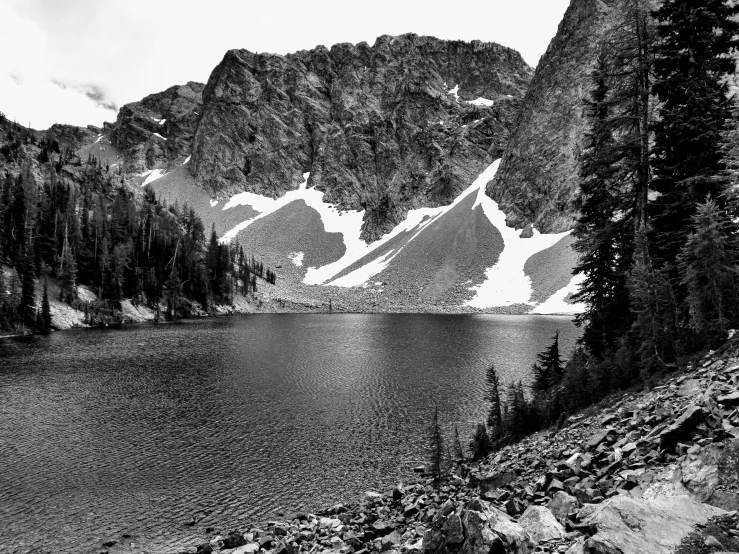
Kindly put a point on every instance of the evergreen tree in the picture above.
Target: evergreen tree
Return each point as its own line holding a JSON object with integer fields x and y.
{"x": 693, "y": 59}
{"x": 708, "y": 269}
{"x": 653, "y": 301}
{"x": 68, "y": 272}
{"x": 492, "y": 395}
{"x": 436, "y": 449}
{"x": 46, "y": 324}
{"x": 549, "y": 368}
{"x": 480, "y": 445}
{"x": 614, "y": 176}
{"x": 27, "y": 308}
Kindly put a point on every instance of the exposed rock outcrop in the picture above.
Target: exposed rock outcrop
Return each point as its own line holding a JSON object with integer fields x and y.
{"x": 159, "y": 129}
{"x": 537, "y": 180}
{"x": 381, "y": 128}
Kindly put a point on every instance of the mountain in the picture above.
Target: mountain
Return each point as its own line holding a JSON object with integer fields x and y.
{"x": 359, "y": 172}
{"x": 537, "y": 181}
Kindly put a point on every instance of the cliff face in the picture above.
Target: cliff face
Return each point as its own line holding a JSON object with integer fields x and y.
{"x": 376, "y": 126}
{"x": 159, "y": 129}
{"x": 537, "y": 180}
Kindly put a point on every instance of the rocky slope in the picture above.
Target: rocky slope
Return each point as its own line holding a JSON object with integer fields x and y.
{"x": 376, "y": 126}
{"x": 646, "y": 473}
{"x": 537, "y": 181}
{"x": 158, "y": 130}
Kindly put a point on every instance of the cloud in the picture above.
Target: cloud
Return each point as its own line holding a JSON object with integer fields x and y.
{"x": 94, "y": 92}
{"x": 32, "y": 92}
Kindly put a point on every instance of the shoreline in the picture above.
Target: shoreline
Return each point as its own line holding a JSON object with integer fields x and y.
{"x": 641, "y": 468}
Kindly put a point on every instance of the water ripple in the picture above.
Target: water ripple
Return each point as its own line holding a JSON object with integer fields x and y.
{"x": 232, "y": 419}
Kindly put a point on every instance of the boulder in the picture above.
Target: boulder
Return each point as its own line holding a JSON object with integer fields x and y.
{"x": 708, "y": 473}
{"x": 541, "y": 525}
{"x": 683, "y": 427}
{"x": 729, "y": 399}
{"x": 484, "y": 529}
{"x": 642, "y": 526}
{"x": 561, "y": 505}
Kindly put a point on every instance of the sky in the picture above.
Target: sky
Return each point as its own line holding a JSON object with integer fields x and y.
{"x": 78, "y": 61}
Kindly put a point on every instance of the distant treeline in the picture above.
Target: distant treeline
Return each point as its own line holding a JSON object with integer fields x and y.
{"x": 92, "y": 230}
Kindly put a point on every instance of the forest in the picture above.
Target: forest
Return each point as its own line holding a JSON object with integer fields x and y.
{"x": 658, "y": 227}
{"x": 77, "y": 222}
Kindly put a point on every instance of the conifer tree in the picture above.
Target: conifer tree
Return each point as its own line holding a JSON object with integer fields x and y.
{"x": 436, "y": 449}
{"x": 27, "y": 308}
{"x": 708, "y": 269}
{"x": 654, "y": 305}
{"x": 693, "y": 59}
{"x": 549, "y": 368}
{"x": 68, "y": 272}
{"x": 480, "y": 445}
{"x": 495, "y": 412}
{"x": 614, "y": 176}
{"x": 46, "y": 323}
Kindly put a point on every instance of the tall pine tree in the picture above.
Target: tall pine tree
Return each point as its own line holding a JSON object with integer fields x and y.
{"x": 692, "y": 62}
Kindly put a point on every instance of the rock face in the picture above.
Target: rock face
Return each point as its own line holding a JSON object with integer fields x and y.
{"x": 383, "y": 128}
{"x": 159, "y": 129}
{"x": 655, "y": 526}
{"x": 537, "y": 180}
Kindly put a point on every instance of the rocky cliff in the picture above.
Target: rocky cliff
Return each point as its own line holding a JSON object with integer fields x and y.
{"x": 157, "y": 130}
{"x": 406, "y": 123}
{"x": 537, "y": 180}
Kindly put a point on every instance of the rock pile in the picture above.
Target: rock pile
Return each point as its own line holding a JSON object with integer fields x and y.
{"x": 638, "y": 476}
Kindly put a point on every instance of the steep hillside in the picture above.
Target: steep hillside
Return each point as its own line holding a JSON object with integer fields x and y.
{"x": 537, "y": 181}
{"x": 153, "y": 133}
{"x": 406, "y": 123}
{"x": 358, "y": 172}
{"x": 455, "y": 258}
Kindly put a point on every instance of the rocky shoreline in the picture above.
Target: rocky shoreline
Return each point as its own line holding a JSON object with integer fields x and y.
{"x": 644, "y": 472}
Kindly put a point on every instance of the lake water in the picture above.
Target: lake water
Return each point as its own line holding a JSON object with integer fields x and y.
{"x": 234, "y": 420}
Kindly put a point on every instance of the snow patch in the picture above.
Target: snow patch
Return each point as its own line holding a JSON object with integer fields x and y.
{"x": 213, "y": 203}
{"x": 99, "y": 139}
{"x": 159, "y": 121}
{"x": 158, "y": 135}
{"x": 506, "y": 283}
{"x": 556, "y": 304}
{"x": 455, "y": 92}
{"x": 348, "y": 223}
{"x": 480, "y": 101}
{"x": 415, "y": 222}
{"x": 296, "y": 258}
{"x": 186, "y": 160}
{"x": 152, "y": 175}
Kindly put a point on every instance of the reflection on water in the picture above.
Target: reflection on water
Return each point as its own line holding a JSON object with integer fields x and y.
{"x": 236, "y": 419}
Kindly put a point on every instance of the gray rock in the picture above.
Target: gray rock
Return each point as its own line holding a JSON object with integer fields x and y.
{"x": 642, "y": 526}
{"x": 562, "y": 504}
{"x": 540, "y": 524}
{"x": 683, "y": 427}
{"x": 374, "y": 125}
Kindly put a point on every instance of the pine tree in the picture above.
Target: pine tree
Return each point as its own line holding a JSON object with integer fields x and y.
{"x": 68, "y": 272}
{"x": 27, "y": 308}
{"x": 480, "y": 445}
{"x": 654, "y": 305}
{"x": 708, "y": 269}
{"x": 549, "y": 368}
{"x": 614, "y": 176}
{"x": 436, "y": 449}
{"x": 46, "y": 324}
{"x": 693, "y": 59}
{"x": 492, "y": 395}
